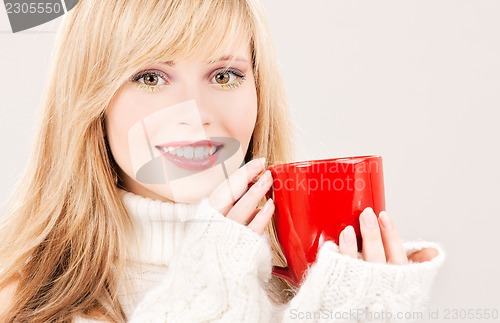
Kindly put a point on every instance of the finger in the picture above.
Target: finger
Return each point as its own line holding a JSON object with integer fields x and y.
{"x": 229, "y": 191}
{"x": 251, "y": 217}
{"x": 394, "y": 251}
{"x": 423, "y": 255}
{"x": 347, "y": 242}
{"x": 373, "y": 248}
{"x": 262, "y": 218}
{"x": 244, "y": 208}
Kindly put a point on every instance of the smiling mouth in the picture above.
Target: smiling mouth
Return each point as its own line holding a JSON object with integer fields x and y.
{"x": 190, "y": 152}
{"x": 191, "y": 155}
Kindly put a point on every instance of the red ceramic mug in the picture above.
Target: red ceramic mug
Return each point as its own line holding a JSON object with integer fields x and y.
{"x": 315, "y": 201}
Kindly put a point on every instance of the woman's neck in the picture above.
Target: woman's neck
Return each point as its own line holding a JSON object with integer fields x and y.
{"x": 158, "y": 225}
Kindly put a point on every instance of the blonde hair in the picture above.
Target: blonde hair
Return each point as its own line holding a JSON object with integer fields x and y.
{"x": 64, "y": 233}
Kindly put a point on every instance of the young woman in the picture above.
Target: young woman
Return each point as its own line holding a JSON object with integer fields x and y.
{"x": 135, "y": 204}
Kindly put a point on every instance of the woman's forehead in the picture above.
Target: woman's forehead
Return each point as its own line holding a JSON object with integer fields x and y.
{"x": 225, "y": 31}
{"x": 236, "y": 52}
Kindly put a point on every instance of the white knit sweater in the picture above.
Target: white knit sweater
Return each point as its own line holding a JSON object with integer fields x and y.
{"x": 191, "y": 264}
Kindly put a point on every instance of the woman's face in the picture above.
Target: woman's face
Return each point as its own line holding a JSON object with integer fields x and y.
{"x": 178, "y": 128}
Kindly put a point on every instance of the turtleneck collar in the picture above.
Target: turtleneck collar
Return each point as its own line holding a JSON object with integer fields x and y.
{"x": 158, "y": 225}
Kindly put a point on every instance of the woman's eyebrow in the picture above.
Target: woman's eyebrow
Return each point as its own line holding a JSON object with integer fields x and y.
{"x": 222, "y": 58}
{"x": 228, "y": 58}
{"x": 169, "y": 63}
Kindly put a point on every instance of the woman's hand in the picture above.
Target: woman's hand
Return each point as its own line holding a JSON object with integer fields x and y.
{"x": 381, "y": 241}
{"x": 237, "y": 202}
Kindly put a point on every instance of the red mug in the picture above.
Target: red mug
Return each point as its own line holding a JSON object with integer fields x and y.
{"x": 315, "y": 201}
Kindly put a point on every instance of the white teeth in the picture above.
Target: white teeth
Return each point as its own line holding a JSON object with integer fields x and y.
{"x": 199, "y": 152}
{"x": 179, "y": 152}
{"x": 190, "y": 152}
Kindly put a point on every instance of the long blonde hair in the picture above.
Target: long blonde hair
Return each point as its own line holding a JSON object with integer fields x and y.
{"x": 64, "y": 233}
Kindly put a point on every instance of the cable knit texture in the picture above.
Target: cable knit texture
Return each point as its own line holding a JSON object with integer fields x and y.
{"x": 191, "y": 264}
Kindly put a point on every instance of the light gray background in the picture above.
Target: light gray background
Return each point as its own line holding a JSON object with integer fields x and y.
{"x": 417, "y": 82}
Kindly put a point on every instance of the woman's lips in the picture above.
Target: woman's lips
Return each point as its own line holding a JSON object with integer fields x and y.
{"x": 197, "y": 155}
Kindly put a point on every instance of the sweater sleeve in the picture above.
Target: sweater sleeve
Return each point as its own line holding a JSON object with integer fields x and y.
{"x": 216, "y": 275}
{"x": 343, "y": 289}
{"x": 219, "y": 272}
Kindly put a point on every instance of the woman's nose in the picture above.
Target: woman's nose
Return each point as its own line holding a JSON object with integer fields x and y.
{"x": 191, "y": 113}
{"x": 198, "y": 110}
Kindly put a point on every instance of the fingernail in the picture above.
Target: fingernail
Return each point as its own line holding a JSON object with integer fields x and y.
{"x": 369, "y": 218}
{"x": 257, "y": 164}
{"x": 348, "y": 236}
{"x": 264, "y": 179}
{"x": 385, "y": 220}
{"x": 267, "y": 206}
